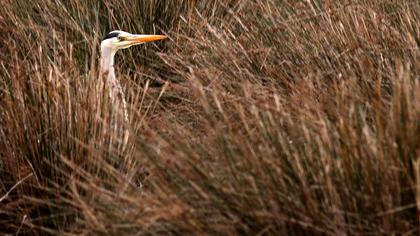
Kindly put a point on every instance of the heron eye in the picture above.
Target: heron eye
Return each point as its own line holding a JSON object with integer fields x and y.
{"x": 121, "y": 38}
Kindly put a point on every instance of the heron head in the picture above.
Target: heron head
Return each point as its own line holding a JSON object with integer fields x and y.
{"x": 115, "y": 40}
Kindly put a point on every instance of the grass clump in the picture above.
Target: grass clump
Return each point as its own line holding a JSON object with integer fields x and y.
{"x": 255, "y": 118}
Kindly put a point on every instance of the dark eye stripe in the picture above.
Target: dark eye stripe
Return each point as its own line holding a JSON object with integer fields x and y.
{"x": 111, "y": 35}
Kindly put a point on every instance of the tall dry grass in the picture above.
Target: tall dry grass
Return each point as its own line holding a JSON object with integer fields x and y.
{"x": 256, "y": 117}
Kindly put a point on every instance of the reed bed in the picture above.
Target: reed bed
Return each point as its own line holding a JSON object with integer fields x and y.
{"x": 255, "y": 117}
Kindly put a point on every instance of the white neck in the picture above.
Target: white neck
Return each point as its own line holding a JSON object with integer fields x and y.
{"x": 107, "y": 61}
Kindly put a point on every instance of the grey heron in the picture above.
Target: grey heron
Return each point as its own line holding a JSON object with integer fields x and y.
{"x": 112, "y": 42}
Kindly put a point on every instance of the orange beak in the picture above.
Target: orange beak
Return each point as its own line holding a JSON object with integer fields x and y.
{"x": 145, "y": 38}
